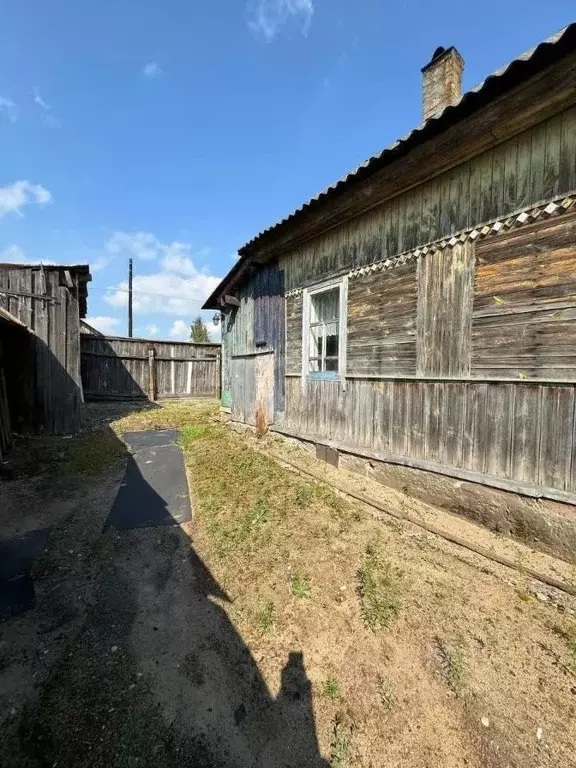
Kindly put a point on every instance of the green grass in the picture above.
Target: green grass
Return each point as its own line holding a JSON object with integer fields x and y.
{"x": 266, "y": 617}
{"x": 379, "y": 588}
{"x": 193, "y": 432}
{"x": 340, "y": 745}
{"x": 172, "y": 414}
{"x": 92, "y": 453}
{"x": 258, "y": 514}
{"x": 300, "y": 585}
{"x": 304, "y": 495}
{"x": 452, "y": 657}
{"x": 331, "y": 688}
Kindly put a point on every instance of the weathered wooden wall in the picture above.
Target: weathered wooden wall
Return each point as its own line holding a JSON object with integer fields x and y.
{"x": 445, "y": 293}
{"x": 524, "y": 312}
{"x": 257, "y": 325}
{"x": 253, "y": 389}
{"x": 382, "y": 323}
{"x": 294, "y": 306}
{"x": 535, "y": 165}
{"x": 461, "y": 358}
{"x": 520, "y": 432}
{"x": 46, "y": 392}
{"x": 117, "y": 368}
{"x": 502, "y": 308}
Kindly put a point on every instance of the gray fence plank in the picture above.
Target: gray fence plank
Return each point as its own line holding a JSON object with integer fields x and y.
{"x": 118, "y": 368}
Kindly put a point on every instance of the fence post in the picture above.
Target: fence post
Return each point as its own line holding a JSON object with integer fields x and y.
{"x": 151, "y": 374}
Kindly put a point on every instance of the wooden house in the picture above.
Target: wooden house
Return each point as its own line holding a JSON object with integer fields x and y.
{"x": 419, "y": 315}
{"x": 40, "y": 311}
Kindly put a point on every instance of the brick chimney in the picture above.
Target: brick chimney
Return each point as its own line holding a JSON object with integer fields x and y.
{"x": 442, "y": 81}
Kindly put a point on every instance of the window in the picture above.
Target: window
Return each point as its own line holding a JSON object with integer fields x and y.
{"x": 324, "y": 331}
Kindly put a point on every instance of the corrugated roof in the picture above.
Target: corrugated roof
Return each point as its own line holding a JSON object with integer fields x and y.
{"x": 542, "y": 55}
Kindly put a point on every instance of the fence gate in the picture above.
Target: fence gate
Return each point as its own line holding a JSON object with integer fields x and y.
{"x": 116, "y": 368}
{"x": 253, "y": 389}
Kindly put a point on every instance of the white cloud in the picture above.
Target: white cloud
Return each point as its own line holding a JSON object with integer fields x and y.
{"x": 15, "y": 196}
{"x": 104, "y": 323}
{"x": 40, "y": 101}
{"x": 152, "y": 330}
{"x": 180, "y": 330}
{"x": 100, "y": 263}
{"x": 152, "y": 70}
{"x": 8, "y": 106}
{"x": 48, "y": 117}
{"x": 142, "y": 245}
{"x": 13, "y": 254}
{"x": 267, "y": 16}
{"x": 178, "y": 287}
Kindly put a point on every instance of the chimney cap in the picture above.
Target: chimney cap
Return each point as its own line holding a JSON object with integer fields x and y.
{"x": 441, "y": 53}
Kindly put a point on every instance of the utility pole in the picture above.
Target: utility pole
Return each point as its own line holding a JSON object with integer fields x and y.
{"x": 130, "y": 298}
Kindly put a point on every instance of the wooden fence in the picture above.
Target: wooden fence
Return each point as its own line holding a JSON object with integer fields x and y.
{"x": 115, "y": 368}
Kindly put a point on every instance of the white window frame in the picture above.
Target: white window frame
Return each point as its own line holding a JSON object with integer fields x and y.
{"x": 342, "y": 284}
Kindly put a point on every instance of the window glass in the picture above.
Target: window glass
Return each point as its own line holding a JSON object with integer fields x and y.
{"x": 324, "y": 331}
{"x": 331, "y": 340}
{"x": 325, "y": 306}
{"x": 316, "y": 341}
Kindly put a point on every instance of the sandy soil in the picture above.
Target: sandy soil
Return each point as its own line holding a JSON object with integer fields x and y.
{"x": 192, "y": 646}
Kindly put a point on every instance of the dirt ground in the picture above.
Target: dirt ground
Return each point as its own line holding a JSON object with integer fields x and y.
{"x": 284, "y": 626}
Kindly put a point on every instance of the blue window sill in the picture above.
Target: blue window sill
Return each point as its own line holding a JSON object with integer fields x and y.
{"x": 323, "y": 375}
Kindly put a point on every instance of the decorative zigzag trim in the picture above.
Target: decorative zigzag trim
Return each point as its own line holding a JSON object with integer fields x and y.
{"x": 528, "y": 216}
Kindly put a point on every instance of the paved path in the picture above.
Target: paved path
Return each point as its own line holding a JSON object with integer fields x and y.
{"x": 154, "y": 490}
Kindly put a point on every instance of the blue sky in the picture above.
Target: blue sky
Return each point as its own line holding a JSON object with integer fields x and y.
{"x": 175, "y": 131}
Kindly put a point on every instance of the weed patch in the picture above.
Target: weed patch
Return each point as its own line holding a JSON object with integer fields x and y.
{"x": 340, "y": 745}
{"x": 331, "y": 688}
{"x": 258, "y": 514}
{"x": 451, "y": 655}
{"x": 266, "y": 617}
{"x": 300, "y": 585}
{"x": 304, "y": 495}
{"x": 379, "y": 589}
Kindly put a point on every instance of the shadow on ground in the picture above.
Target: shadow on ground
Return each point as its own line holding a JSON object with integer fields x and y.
{"x": 135, "y": 658}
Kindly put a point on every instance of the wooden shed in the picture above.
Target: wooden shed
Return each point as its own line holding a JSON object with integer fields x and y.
{"x": 41, "y": 307}
{"x": 421, "y": 312}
